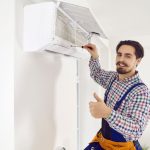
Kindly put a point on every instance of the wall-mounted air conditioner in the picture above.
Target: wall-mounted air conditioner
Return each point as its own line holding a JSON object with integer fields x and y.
{"x": 59, "y": 27}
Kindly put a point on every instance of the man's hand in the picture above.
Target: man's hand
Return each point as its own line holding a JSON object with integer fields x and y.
{"x": 91, "y": 48}
{"x": 99, "y": 109}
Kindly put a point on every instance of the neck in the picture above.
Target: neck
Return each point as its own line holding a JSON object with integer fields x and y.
{"x": 127, "y": 75}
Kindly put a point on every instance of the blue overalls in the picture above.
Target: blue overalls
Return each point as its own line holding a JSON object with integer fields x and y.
{"x": 108, "y": 132}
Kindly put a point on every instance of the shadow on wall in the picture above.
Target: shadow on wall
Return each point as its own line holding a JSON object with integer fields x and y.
{"x": 35, "y": 80}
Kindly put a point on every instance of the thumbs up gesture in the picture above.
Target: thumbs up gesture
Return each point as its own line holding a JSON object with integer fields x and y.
{"x": 99, "y": 109}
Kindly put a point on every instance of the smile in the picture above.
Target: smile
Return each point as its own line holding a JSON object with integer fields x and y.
{"x": 121, "y": 65}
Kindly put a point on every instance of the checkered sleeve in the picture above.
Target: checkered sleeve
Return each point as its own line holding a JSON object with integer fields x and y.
{"x": 132, "y": 123}
{"x": 99, "y": 75}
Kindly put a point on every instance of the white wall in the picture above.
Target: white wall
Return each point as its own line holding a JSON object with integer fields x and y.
{"x": 45, "y": 97}
{"x": 45, "y": 102}
{"x": 6, "y": 74}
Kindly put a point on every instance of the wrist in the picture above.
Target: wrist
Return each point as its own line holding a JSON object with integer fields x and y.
{"x": 108, "y": 113}
{"x": 95, "y": 56}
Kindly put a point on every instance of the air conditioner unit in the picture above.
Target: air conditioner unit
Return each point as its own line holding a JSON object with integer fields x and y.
{"x": 59, "y": 27}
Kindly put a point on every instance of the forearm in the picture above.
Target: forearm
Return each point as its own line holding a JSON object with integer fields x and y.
{"x": 99, "y": 75}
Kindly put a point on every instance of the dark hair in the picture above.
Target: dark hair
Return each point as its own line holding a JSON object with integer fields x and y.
{"x": 139, "y": 50}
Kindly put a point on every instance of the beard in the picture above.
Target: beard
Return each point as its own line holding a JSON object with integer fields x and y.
{"x": 122, "y": 70}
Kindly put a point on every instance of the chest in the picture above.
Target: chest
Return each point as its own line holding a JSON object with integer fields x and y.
{"x": 115, "y": 94}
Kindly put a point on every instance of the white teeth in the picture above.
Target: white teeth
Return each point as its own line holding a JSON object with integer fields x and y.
{"x": 121, "y": 65}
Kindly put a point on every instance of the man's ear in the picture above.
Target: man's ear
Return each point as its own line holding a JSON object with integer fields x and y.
{"x": 138, "y": 61}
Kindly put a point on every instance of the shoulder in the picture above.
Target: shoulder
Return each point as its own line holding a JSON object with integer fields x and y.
{"x": 140, "y": 91}
{"x": 141, "y": 88}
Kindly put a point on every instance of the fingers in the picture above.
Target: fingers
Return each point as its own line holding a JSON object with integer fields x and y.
{"x": 89, "y": 46}
{"x": 91, "y": 106}
{"x": 94, "y": 110}
{"x": 91, "y": 103}
{"x": 97, "y": 97}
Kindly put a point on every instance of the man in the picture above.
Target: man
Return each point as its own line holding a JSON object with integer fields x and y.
{"x": 125, "y": 110}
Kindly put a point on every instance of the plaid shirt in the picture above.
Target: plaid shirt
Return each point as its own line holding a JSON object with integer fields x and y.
{"x": 132, "y": 116}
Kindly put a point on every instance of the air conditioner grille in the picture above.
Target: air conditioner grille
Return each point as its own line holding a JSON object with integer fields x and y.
{"x": 68, "y": 30}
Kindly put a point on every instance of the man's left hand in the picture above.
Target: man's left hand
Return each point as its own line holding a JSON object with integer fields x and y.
{"x": 99, "y": 109}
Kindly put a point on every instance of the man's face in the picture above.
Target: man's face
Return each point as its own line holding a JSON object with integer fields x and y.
{"x": 126, "y": 61}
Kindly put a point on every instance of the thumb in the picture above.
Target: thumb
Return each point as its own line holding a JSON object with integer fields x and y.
{"x": 97, "y": 97}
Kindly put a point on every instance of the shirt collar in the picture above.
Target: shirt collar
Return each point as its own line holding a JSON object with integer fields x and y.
{"x": 130, "y": 79}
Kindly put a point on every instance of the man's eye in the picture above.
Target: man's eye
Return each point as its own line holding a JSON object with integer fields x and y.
{"x": 128, "y": 56}
{"x": 118, "y": 54}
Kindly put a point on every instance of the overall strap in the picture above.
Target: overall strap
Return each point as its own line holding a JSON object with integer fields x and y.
{"x": 107, "y": 91}
{"x": 124, "y": 96}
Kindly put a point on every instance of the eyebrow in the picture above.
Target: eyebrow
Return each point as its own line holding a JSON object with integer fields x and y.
{"x": 128, "y": 54}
